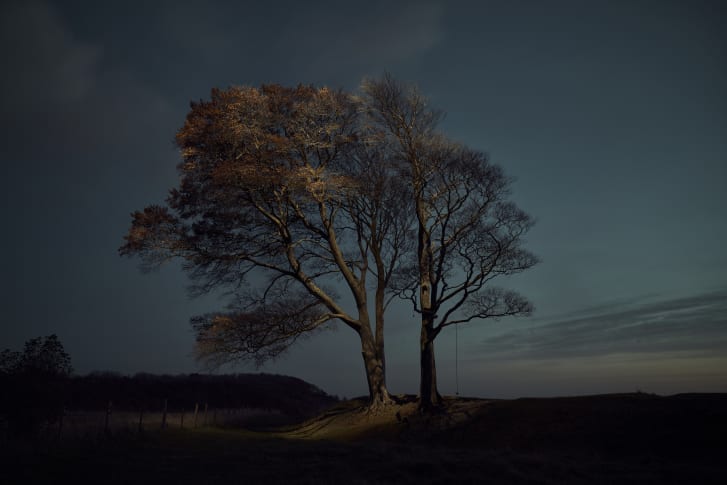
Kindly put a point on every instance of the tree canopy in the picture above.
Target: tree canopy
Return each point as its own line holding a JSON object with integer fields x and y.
{"x": 282, "y": 192}
{"x": 468, "y": 231}
{"x": 290, "y": 196}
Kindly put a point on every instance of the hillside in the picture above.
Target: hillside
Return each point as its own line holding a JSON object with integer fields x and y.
{"x": 288, "y": 395}
{"x": 614, "y": 424}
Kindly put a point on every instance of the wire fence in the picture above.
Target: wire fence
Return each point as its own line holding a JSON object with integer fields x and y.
{"x": 68, "y": 424}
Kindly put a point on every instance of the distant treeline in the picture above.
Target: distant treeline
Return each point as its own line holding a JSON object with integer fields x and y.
{"x": 291, "y": 396}
{"x": 32, "y": 400}
{"x": 37, "y": 387}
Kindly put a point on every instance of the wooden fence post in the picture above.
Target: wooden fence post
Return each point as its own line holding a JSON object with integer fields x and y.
{"x": 204, "y": 420}
{"x": 108, "y": 417}
{"x": 196, "y": 410}
{"x": 164, "y": 415}
{"x": 60, "y": 422}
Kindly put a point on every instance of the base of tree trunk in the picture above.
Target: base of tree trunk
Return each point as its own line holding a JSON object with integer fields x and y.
{"x": 378, "y": 403}
{"x": 434, "y": 405}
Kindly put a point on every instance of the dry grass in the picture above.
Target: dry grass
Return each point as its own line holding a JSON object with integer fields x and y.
{"x": 543, "y": 441}
{"x": 352, "y": 421}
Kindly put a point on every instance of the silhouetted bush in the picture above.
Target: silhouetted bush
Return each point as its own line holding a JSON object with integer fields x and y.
{"x": 34, "y": 384}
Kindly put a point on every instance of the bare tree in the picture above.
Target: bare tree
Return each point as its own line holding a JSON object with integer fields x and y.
{"x": 281, "y": 193}
{"x": 467, "y": 231}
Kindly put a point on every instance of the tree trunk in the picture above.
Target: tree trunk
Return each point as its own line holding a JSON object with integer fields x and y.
{"x": 429, "y": 397}
{"x": 375, "y": 370}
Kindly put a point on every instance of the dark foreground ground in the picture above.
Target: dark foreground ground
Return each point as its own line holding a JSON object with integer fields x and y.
{"x": 632, "y": 438}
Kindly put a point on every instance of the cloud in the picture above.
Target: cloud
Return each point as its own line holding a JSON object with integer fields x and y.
{"x": 83, "y": 137}
{"x": 694, "y": 325}
{"x": 68, "y": 92}
{"x": 386, "y": 33}
{"x": 44, "y": 65}
{"x": 323, "y": 42}
{"x": 60, "y": 95}
{"x": 381, "y": 36}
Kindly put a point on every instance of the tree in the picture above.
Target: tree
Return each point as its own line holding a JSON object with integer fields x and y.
{"x": 467, "y": 231}
{"x": 35, "y": 382}
{"x": 41, "y": 357}
{"x": 281, "y": 194}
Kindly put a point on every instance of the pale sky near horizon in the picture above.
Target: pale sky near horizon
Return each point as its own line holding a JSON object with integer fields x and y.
{"x": 612, "y": 116}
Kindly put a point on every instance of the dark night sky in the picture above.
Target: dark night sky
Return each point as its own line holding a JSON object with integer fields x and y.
{"x": 611, "y": 114}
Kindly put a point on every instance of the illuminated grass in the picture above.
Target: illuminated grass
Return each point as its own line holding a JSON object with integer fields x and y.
{"x": 546, "y": 441}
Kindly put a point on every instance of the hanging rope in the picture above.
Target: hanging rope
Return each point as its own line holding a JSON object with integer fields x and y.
{"x": 456, "y": 358}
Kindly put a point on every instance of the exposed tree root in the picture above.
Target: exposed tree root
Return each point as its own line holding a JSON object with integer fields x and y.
{"x": 379, "y": 405}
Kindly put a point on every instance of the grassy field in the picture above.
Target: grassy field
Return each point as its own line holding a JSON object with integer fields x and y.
{"x": 632, "y": 438}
